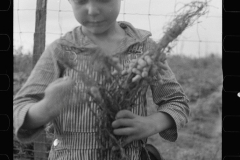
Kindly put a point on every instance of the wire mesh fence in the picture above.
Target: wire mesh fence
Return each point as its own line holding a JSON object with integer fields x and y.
{"x": 200, "y": 40}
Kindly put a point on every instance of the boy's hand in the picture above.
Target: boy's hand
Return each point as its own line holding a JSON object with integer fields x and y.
{"x": 56, "y": 96}
{"x": 132, "y": 126}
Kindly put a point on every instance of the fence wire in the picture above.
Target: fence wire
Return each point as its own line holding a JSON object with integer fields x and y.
{"x": 59, "y": 14}
{"x": 27, "y": 152}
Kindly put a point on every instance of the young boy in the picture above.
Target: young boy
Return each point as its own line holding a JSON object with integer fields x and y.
{"x": 47, "y": 97}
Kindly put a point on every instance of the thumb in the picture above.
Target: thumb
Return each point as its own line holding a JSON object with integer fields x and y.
{"x": 66, "y": 82}
{"x": 63, "y": 80}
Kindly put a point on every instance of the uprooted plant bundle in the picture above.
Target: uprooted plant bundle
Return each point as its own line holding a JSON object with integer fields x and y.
{"x": 122, "y": 92}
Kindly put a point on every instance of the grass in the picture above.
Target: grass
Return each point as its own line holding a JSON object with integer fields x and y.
{"x": 200, "y": 139}
{"x": 201, "y": 79}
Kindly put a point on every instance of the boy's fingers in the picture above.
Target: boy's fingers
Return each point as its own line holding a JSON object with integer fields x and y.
{"x": 163, "y": 57}
{"x": 60, "y": 79}
{"x": 59, "y": 86}
{"x": 122, "y": 122}
{"x": 161, "y": 71}
{"x": 155, "y": 71}
{"x": 162, "y": 65}
{"x": 123, "y": 131}
{"x": 124, "y": 114}
{"x": 159, "y": 67}
{"x": 65, "y": 81}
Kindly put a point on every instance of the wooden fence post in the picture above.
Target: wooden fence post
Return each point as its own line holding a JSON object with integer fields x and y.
{"x": 40, "y": 147}
{"x": 40, "y": 30}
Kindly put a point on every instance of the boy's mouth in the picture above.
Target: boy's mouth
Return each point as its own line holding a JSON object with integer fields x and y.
{"x": 95, "y": 23}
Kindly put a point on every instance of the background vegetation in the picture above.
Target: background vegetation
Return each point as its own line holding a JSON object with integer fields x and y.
{"x": 201, "y": 138}
{"x": 201, "y": 79}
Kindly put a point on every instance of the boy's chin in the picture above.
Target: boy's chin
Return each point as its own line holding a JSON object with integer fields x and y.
{"x": 96, "y": 30}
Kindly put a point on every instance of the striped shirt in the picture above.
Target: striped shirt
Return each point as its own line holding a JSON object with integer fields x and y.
{"x": 74, "y": 128}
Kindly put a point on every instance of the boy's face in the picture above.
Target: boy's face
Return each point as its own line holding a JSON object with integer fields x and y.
{"x": 96, "y": 16}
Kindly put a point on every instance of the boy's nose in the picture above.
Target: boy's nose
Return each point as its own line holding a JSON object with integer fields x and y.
{"x": 92, "y": 9}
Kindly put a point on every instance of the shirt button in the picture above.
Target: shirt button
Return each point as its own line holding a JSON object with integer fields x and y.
{"x": 55, "y": 143}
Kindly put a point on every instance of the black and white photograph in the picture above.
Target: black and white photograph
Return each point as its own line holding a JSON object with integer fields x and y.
{"x": 117, "y": 80}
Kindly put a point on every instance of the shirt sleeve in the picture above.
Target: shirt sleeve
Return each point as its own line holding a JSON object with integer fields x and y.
{"x": 169, "y": 96}
{"x": 45, "y": 71}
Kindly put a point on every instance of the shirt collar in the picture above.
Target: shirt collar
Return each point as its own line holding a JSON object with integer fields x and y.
{"x": 77, "y": 39}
